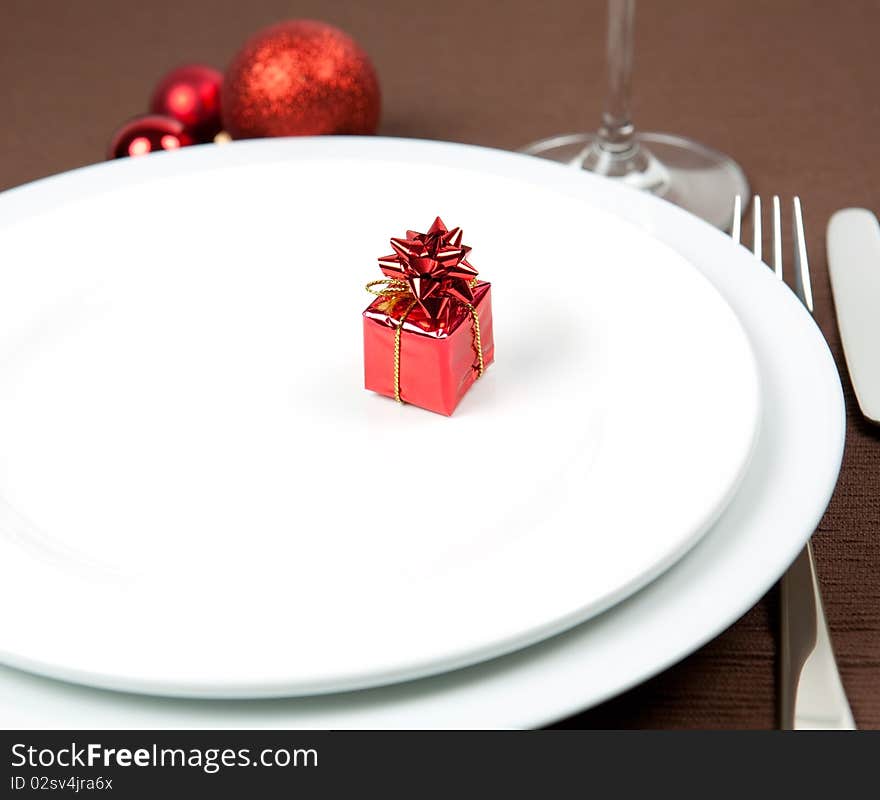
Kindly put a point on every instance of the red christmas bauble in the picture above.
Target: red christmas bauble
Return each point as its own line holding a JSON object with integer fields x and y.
{"x": 147, "y": 134}
{"x": 191, "y": 94}
{"x": 300, "y": 78}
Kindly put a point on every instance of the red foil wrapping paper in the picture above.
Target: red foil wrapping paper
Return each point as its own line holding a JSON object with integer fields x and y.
{"x": 438, "y": 287}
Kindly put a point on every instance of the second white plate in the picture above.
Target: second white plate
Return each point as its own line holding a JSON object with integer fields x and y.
{"x": 186, "y": 446}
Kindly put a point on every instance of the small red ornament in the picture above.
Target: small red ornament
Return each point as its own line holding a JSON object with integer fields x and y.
{"x": 300, "y": 78}
{"x": 191, "y": 94}
{"x": 147, "y": 134}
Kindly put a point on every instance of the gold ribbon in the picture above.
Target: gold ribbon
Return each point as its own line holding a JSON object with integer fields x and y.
{"x": 392, "y": 287}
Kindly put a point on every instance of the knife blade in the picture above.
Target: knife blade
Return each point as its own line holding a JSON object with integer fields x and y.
{"x": 853, "y": 243}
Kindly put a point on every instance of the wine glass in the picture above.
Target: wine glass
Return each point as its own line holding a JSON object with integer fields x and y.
{"x": 683, "y": 171}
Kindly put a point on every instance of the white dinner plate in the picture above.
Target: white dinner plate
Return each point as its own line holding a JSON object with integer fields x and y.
{"x": 781, "y": 499}
{"x": 191, "y": 469}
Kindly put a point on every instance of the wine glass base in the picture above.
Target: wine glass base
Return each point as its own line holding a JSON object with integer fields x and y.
{"x": 680, "y": 170}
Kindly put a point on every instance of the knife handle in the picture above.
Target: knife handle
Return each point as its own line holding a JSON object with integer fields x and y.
{"x": 811, "y": 695}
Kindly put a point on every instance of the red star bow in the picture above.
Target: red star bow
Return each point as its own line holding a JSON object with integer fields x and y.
{"x": 435, "y": 267}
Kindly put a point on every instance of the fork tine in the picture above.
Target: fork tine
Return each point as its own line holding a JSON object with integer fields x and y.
{"x": 757, "y": 235}
{"x": 737, "y": 219}
{"x": 777, "y": 237}
{"x": 802, "y": 283}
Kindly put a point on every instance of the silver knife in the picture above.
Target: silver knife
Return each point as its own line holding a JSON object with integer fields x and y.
{"x": 854, "y": 265}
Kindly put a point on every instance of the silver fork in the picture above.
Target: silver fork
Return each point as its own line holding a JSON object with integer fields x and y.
{"x": 811, "y": 694}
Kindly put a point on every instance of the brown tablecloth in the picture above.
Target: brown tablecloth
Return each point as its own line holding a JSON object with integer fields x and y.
{"x": 789, "y": 87}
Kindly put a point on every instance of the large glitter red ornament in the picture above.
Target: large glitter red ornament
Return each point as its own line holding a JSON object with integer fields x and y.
{"x": 148, "y": 133}
{"x": 300, "y": 78}
{"x": 191, "y": 94}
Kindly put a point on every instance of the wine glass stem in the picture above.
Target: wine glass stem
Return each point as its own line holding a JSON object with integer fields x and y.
{"x": 617, "y": 133}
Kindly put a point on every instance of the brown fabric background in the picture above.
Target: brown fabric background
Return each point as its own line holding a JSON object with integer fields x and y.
{"x": 789, "y": 87}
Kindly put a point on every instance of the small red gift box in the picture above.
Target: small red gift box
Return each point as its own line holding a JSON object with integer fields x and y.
{"x": 428, "y": 334}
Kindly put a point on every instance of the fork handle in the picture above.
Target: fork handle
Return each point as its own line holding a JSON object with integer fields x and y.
{"x": 811, "y": 695}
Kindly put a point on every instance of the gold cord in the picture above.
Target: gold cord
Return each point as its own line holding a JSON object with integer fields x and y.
{"x": 392, "y": 287}
{"x": 478, "y": 342}
{"x": 397, "y": 331}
